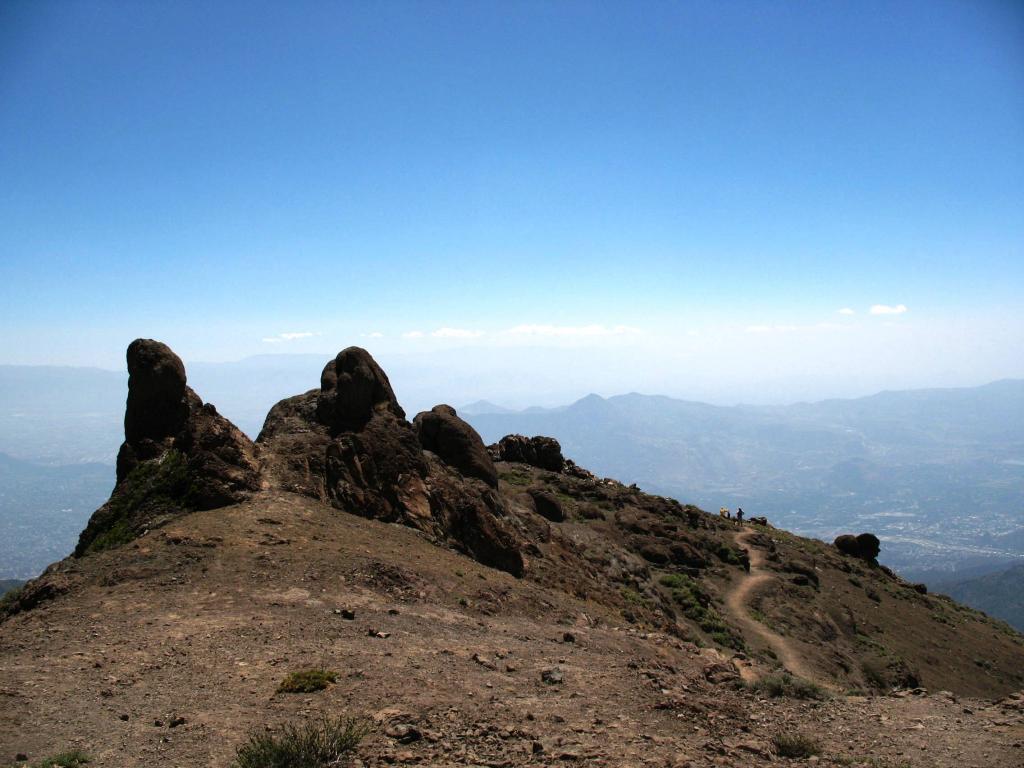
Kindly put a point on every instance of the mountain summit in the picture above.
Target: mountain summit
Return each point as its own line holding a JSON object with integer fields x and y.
{"x": 484, "y": 605}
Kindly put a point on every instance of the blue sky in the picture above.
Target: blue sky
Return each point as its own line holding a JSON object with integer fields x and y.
{"x": 706, "y": 181}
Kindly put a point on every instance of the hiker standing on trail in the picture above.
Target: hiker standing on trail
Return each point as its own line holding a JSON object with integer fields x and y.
{"x": 739, "y": 514}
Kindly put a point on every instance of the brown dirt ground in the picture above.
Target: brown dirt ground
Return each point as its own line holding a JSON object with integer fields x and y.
{"x": 202, "y": 620}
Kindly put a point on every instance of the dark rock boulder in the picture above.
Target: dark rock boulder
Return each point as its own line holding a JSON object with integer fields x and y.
{"x": 178, "y": 455}
{"x": 157, "y": 407}
{"x": 847, "y": 544}
{"x": 869, "y": 546}
{"x": 441, "y": 431}
{"x": 547, "y": 505}
{"x": 352, "y": 389}
{"x": 866, "y": 546}
{"x": 542, "y": 452}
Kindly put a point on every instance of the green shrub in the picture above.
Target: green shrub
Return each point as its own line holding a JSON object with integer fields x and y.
{"x": 155, "y": 487}
{"x": 676, "y": 581}
{"x": 695, "y": 604}
{"x": 785, "y": 685}
{"x": 728, "y": 555}
{"x": 516, "y": 478}
{"x": 316, "y": 744}
{"x": 307, "y": 681}
{"x": 9, "y": 598}
{"x": 795, "y": 745}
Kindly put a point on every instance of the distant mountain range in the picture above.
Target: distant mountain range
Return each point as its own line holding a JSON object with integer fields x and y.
{"x": 1000, "y": 594}
{"x": 938, "y": 474}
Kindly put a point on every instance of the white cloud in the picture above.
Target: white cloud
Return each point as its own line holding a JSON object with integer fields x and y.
{"x": 288, "y": 336}
{"x": 885, "y": 309}
{"x": 572, "y": 330}
{"x": 456, "y": 333}
{"x": 413, "y": 335}
{"x": 846, "y": 311}
{"x": 373, "y": 335}
{"x": 771, "y": 328}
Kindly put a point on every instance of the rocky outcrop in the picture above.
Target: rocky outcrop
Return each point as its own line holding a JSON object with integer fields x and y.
{"x": 178, "y": 455}
{"x": 352, "y": 389}
{"x": 541, "y": 452}
{"x": 441, "y": 431}
{"x": 349, "y": 444}
{"x": 866, "y": 546}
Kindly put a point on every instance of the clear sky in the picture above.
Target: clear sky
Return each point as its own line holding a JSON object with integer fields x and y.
{"x": 666, "y": 191}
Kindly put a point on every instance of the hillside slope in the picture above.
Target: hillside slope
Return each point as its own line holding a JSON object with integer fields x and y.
{"x": 937, "y": 474}
{"x": 504, "y": 604}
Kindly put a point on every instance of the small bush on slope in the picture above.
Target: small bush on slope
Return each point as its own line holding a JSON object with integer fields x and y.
{"x": 795, "y": 745}
{"x": 786, "y": 685}
{"x": 317, "y": 744}
{"x": 307, "y": 681}
{"x": 696, "y": 606}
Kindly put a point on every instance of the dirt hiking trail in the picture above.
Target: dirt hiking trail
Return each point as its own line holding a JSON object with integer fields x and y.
{"x": 737, "y": 604}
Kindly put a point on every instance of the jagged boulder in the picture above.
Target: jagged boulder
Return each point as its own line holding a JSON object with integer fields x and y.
{"x": 866, "y": 546}
{"x": 539, "y": 451}
{"x": 178, "y": 455}
{"x": 441, "y": 431}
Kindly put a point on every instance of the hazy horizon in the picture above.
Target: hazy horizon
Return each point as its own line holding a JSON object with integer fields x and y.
{"x": 421, "y": 381}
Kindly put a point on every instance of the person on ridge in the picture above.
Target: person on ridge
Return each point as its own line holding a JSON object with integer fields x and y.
{"x": 739, "y": 514}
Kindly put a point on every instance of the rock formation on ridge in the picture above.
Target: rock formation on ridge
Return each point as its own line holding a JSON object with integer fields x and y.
{"x": 441, "y": 431}
{"x": 178, "y": 454}
{"x": 349, "y": 444}
{"x": 539, "y": 451}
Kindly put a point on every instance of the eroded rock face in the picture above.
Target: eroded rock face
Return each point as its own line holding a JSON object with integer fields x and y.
{"x": 349, "y": 444}
{"x": 178, "y": 455}
{"x": 542, "y": 452}
{"x": 441, "y": 431}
